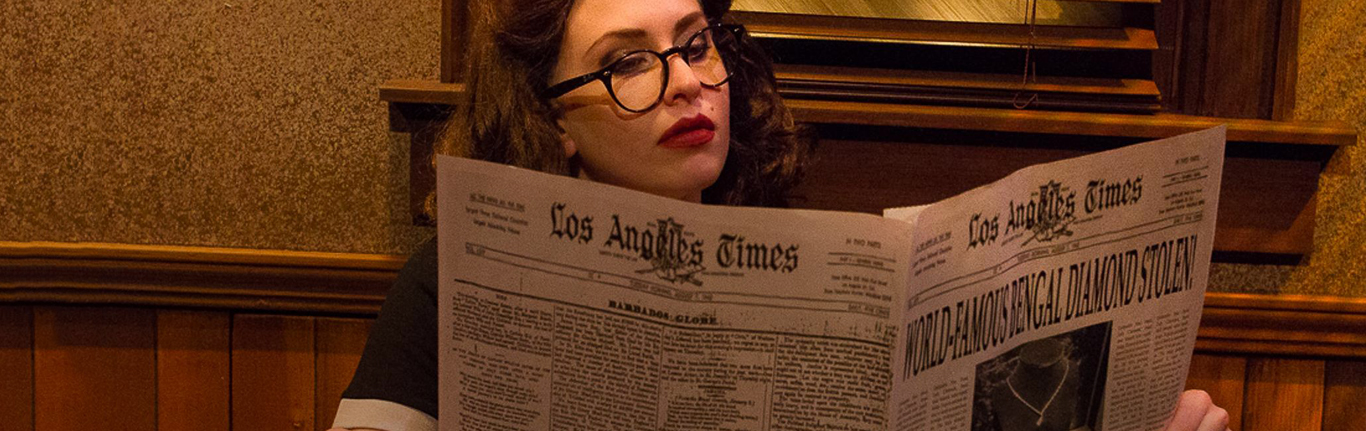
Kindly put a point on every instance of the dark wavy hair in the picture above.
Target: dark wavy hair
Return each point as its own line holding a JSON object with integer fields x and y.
{"x": 512, "y": 49}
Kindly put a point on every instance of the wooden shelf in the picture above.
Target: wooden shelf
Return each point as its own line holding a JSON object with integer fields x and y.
{"x": 988, "y": 119}
{"x": 1067, "y": 123}
{"x": 421, "y": 91}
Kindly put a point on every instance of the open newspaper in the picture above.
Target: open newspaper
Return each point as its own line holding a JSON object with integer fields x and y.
{"x": 1065, "y": 296}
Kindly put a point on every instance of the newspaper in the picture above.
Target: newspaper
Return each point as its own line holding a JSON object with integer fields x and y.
{"x": 1065, "y": 296}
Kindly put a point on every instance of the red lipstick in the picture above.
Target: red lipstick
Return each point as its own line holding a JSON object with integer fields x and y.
{"x": 689, "y": 132}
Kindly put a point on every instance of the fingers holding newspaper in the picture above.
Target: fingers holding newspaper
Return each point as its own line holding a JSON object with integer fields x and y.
{"x": 1195, "y": 411}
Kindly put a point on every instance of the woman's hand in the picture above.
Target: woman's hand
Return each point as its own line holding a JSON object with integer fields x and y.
{"x": 1196, "y": 412}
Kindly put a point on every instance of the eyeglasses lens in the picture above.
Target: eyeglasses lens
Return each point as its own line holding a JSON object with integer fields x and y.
{"x": 635, "y": 80}
{"x": 638, "y": 79}
{"x": 703, "y": 55}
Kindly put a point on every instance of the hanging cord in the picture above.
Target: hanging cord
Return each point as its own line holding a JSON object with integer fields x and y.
{"x": 1030, "y": 70}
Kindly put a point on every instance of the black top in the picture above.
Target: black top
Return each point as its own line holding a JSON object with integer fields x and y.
{"x": 399, "y": 363}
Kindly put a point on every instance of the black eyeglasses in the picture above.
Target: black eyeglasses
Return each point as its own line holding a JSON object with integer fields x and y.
{"x": 638, "y": 79}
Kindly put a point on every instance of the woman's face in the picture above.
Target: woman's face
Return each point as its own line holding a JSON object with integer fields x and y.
{"x": 676, "y": 148}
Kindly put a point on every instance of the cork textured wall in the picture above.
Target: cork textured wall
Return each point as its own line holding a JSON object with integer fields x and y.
{"x": 234, "y": 123}
{"x": 257, "y": 124}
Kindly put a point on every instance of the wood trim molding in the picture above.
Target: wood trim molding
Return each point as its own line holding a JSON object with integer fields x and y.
{"x": 1283, "y": 325}
{"x": 891, "y": 30}
{"x": 1287, "y": 61}
{"x": 195, "y": 277}
{"x": 455, "y": 35}
{"x": 858, "y": 84}
{"x": 355, "y": 284}
{"x": 928, "y": 78}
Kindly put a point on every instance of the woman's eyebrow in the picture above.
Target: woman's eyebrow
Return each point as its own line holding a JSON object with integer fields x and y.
{"x": 688, "y": 21}
{"x": 615, "y": 35}
{"x": 681, "y": 26}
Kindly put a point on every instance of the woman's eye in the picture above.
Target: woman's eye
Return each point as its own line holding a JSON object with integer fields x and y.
{"x": 610, "y": 58}
{"x": 698, "y": 49}
{"x": 631, "y": 65}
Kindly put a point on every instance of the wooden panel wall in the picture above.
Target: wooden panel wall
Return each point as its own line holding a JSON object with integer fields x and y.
{"x": 1343, "y": 395}
{"x": 260, "y": 346}
{"x": 16, "y": 367}
{"x": 1281, "y": 393}
{"x": 339, "y": 345}
{"x": 1284, "y": 394}
{"x": 94, "y": 368}
{"x": 1224, "y": 377}
{"x": 193, "y": 370}
{"x": 82, "y": 368}
{"x": 144, "y": 369}
{"x": 272, "y": 372}
{"x": 1230, "y": 58}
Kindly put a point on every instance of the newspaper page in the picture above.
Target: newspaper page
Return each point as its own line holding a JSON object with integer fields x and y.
{"x": 1063, "y": 297}
{"x": 571, "y": 305}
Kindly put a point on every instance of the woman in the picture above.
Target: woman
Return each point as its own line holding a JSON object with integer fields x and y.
{"x": 626, "y": 92}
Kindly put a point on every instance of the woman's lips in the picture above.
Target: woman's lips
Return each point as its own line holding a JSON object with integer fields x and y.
{"x": 689, "y": 132}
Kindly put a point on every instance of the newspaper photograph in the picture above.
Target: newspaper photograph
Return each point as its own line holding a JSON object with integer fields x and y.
{"x": 1065, "y": 296}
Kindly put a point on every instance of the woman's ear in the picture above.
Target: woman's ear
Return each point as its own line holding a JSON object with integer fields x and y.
{"x": 570, "y": 148}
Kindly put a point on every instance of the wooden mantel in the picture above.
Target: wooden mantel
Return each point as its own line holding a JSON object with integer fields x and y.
{"x": 1154, "y": 126}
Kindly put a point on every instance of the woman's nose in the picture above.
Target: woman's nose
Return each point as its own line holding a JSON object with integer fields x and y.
{"x": 683, "y": 85}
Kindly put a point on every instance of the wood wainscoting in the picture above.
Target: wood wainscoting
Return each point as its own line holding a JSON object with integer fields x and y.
{"x": 133, "y": 368}
{"x": 108, "y": 336}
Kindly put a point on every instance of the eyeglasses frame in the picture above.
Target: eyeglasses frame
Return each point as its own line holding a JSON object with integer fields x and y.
{"x": 605, "y": 74}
